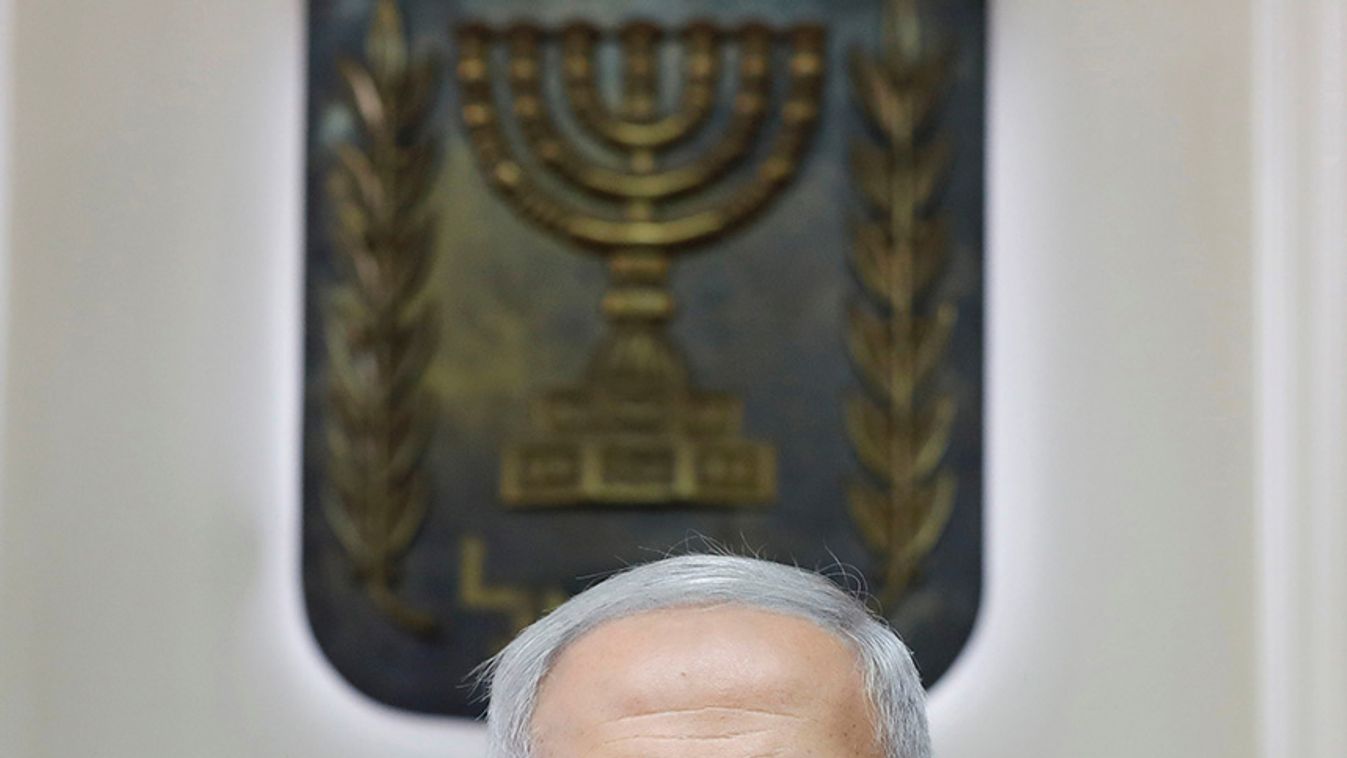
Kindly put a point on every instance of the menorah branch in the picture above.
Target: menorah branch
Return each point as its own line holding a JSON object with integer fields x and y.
{"x": 512, "y": 178}
{"x": 642, "y": 180}
{"x": 701, "y": 67}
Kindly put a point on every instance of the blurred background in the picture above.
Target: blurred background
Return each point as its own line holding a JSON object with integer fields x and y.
{"x": 1166, "y": 389}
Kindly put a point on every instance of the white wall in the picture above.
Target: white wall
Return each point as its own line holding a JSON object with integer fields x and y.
{"x": 1119, "y": 612}
{"x": 13, "y": 713}
{"x": 149, "y": 589}
{"x": 1301, "y": 288}
{"x": 148, "y": 567}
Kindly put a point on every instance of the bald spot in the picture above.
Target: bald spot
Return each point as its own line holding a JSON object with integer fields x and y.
{"x": 722, "y": 681}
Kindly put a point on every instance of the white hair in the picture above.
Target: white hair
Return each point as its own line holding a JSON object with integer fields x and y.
{"x": 893, "y": 687}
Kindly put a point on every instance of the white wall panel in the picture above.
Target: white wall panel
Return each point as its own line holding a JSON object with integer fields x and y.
{"x": 149, "y": 560}
{"x": 13, "y": 714}
{"x": 1301, "y": 288}
{"x": 1118, "y": 617}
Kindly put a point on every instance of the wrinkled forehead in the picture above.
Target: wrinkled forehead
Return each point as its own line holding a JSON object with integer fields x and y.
{"x": 721, "y": 675}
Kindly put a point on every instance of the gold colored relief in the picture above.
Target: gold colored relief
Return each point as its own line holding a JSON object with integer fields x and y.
{"x": 520, "y": 606}
{"x": 901, "y": 421}
{"x": 379, "y": 333}
{"x": 636, "y": 431}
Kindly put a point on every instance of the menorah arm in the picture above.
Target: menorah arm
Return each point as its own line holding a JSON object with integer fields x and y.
{"x": 509, "y": 179}
{"x": 556, "y": 152}
{"x": 702, "y": 69}
{"x": 508, "y": 176}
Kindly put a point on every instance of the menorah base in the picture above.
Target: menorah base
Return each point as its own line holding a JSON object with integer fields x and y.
{"x": 638, "y": 452}
{"x": 637, "y": 472}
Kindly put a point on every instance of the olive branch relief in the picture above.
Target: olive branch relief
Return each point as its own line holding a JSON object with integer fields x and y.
{"x": 900, "y": 420}
{"x": 380, "y": 332}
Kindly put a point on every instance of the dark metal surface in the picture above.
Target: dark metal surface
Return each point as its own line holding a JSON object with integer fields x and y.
{"x": 768, "y": 315}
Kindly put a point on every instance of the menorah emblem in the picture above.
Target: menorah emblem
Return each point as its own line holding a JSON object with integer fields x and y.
{"x": 636, "y": 431}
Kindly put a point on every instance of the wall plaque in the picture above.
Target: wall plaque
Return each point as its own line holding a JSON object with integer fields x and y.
{"x": 590, "y": 281}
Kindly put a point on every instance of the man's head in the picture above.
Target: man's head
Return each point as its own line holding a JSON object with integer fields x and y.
{"x": 703, "y": 656}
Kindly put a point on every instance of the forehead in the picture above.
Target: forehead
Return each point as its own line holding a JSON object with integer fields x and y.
{"x": 719, "y": 681}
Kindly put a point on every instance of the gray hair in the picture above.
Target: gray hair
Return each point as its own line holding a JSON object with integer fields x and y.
{"x": 893, "y": 687}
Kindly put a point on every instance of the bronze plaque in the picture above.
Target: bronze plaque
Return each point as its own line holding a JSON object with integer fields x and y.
{"x": 592, "y": 281}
